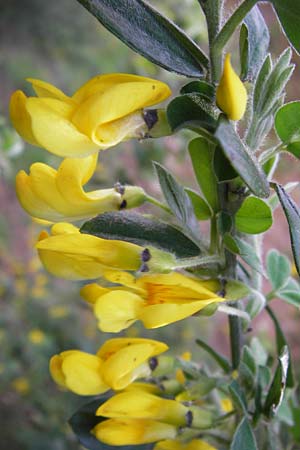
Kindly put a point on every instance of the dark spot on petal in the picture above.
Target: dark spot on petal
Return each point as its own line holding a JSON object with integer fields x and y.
{"x": 146, "y": 255}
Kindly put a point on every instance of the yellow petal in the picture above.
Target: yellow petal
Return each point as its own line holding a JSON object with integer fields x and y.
{"x": 155, "y": 316}
{"x": 117, "y": 101}
{"x": 133, "y": 432}
{"x": 128, "y": 364}
{"x": 20, "y": 117}
{"x": 82, "y": 373}
{"x": 30, "y": 201}
{"x": 114, "y": 345}
{"x": 44, "y": 89}
{"x": 100, "y": 83}
{"x": 82, "y": 256}
{"x": 231, "y": 93}
{"x": 91, "y": 292}
{"x": 111, "y": 133}
{"x": 182, "y": 283}
{"x": 56, "y": 370}
{"x": 137, "y": 404}
{"x": 123, "y": 358}
{"x": 117, "y": 310}
{"x": 43, "y": 182}
{"x": 53, "y": 131}
{"x": 63, "y": 228}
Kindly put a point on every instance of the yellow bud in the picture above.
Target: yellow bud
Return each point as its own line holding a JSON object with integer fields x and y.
{"x": 231, "y": 93}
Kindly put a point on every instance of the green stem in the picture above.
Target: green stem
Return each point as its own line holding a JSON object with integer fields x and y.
{"x": 214, "y": 244}
{"x": 235, "y": 340}
{"x": 227, "y": 31}
{"x": 213, "y": 13}
{"x": 156, "y": 202}
{"x": 268, "y": 154}
{"x": 198, "y": 261}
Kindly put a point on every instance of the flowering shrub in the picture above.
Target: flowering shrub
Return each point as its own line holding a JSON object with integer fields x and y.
{"x": 162, "y": 272}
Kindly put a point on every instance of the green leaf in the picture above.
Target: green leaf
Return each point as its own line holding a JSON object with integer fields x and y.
{"x": 238, "y": 396}
{"x": 202, "y": 155}
{"x": 289, "y": 187}
{"x": 261, "y": 80}
{"x": 243, "y": 438}
{"x": 259, "y": 351}
{"x": 287, "y": 125}
{"x": 292, "y": 214}
{"x": 256, "y": 303}
{"x": 277, "y": 388}
{"x": 178, "y": 200}
{"x": 190, "y": 111}
{"x": 84, "y": 420}
{"x": 222, "y": 166}
{"x": 276, "y": 83}
{"x": 201, "y": 208}
{"x": 254, "y": 216}
{"x": 281, "y": 343}
{"x": 240, "y": 247}
{"x": 288, "y": 13}
{"x": 290, "y": 293}
{"x": 140, "y": 230}
{"x": 203, "y": 88}
{"x": 221, "y": 360}
{"x": 146, "y": 31}
{"x": 249, "y": 359}
{"x": 244, "y": 163}
{"x": 278, "y": 269}
{"x": 257, "y": 42}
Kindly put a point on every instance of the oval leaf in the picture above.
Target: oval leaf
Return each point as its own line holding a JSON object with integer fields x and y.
{"x": 190, "y": 110}
{"x": 244, "y": 163}
{"x": 278, "y": 269}
{"x": 288, "y": 12}
{"x": 149, "y": 33}
{"x": 140, "y": 230}
{"x": 201, "y": 208}
{"x": 202, "y": 155}
{"x": 287, "y": 125}
{"x": 244, "y": 437}
{"x": 254, "y": 216}
{"x": 202, "y": 88}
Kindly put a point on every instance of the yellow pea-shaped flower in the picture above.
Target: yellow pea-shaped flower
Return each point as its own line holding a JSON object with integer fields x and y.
{"x": 106, "y": 110}
{"x": 117, "y": 364}
{"x": 231, "y": 93}
{"x": 58, "y": 195}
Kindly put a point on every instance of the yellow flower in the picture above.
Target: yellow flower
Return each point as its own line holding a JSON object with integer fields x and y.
{"x": 58, "y": 312}
{"x": 57, "y": 195}
{"x": 133, "y": 431}
{"x": 69, "y": 254}
{"x": 138, "y": 404}
{"x": 117, "y": 364}
{"x": 195, "y": 444}
{"x": 156, "y": 300}
{"x": 138, "y": 412}
{"x": 226, "y": 405}
{"x": 231, "y": 93}
{"x": 21, "y": 385}
{"x": 103, "y": 112}
{"x": 36, "y": 336}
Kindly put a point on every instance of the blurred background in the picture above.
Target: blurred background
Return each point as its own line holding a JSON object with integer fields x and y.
{"x": 61, "y": 43}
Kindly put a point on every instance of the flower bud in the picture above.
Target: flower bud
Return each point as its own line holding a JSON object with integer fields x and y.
{"x": 231, "y": 93}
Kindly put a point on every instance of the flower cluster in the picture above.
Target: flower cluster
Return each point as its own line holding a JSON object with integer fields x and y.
{"x": 105, "y": 111}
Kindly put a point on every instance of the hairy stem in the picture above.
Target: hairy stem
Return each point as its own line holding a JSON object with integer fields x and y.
{"x": 226, "y": 32}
